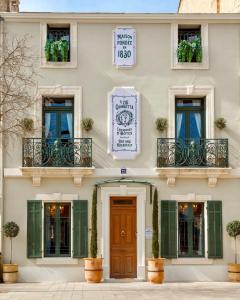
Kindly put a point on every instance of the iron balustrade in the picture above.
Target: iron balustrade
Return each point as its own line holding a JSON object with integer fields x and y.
{"x": 210, "y": 153}
{"x": 38, "y": 152}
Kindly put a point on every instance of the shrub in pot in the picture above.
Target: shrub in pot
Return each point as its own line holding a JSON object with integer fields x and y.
{"x": 10, "y": 270}
{"x": 161, "y": 124}
{"x": 93, "y": 265}
{"x": 87, "y": 124}
{"x": 220, "y": 123}
{"x": 233, "y": 230}
{"x": 155, "y": 264}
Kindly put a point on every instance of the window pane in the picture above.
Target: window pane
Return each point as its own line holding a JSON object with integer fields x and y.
{"x": 51, "y": 102}
{"x": 183, "y": 228}
{"x": 198, "y": 213}
{"x": 195, "y": 125}
{"x": 65, "y": 229}
{"x": 50, "y": 127}
{"x": 66, "y": 125}
{"x": 188, "y": 103}
{"x": 50, "y": 229}
{"x": 180, "y": 125}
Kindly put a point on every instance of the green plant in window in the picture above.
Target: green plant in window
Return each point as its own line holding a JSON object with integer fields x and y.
{"x": 54, "y": 51}
{"x": 11, "y": 230}
{"x": 63, "y": 47}
{"x": 197, "y": 49}
{"x": 190, "y": 50}
{"x": 93, "y": 243}
{"x": 155, "y": 238}
{"x": 233, "y": 230}
{"x": 48, "y": 50}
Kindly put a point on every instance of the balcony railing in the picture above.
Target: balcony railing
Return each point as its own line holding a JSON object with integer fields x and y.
{"x": 39, "y": 152}
{"x": 208, "y": 153}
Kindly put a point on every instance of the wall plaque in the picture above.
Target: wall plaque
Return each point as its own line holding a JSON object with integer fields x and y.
{"x": 124, "y": 47}
{"x": 124, "y": 123}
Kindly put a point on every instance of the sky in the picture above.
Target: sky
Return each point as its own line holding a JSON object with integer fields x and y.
{"x": 138, "y": 6}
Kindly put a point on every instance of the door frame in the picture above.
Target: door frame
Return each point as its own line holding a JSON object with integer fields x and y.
{"x": 123, "y": 190}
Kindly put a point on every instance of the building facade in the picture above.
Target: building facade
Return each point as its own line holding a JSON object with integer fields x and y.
{"x": 124, "y": 71}
{"x": 209, "y": 6}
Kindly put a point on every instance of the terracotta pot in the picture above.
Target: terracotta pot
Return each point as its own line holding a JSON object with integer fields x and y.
{"x": 10, "y": 272}
{"x": 234, "y": 272}
{"x": 156, "y": 270}
{"x": 93, "y": 270}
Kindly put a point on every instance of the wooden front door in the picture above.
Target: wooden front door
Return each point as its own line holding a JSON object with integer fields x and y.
{"x": 123, "y": 250}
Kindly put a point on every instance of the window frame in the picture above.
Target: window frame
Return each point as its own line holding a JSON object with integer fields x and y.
{"x": 205, "y": 48}
{"x": 203, "y": 230}
{"x": 73, "y": 45}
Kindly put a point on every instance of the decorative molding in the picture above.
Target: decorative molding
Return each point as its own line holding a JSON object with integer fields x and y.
{"x": 211, "y": 174}
{"x": 205, "y": 57}
{"x": 73, "y": 47}
{"x": 59, "y": 90}
{"x": 57, "y": 197}
{"x": 193, "y": 91}
{"x": 37, "y": 174}
{"x": 123, "y": 190}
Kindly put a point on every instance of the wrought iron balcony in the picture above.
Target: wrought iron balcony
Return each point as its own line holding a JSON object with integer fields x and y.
{"x": 208, "y": 153}
{"x": 39, "y": 152}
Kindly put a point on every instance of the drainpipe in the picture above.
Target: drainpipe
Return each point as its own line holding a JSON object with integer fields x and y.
{"x": 1, "y": 135}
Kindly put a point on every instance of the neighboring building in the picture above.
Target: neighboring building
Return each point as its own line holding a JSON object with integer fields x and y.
{"x": 209, "y": 6}
{"x": 124, "y": 81}
{"x": 9, "y": 5}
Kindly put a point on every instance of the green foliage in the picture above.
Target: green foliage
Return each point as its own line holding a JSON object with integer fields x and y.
{"x": 11, "y": 230}
{"x": 161, "y": 124}
{"x": 233, "y": 230}
{"x": 87, "y": 124}
{"x": 27, "y": 124}
{"x": 220, "y": 123}
{"x": 190, "y": 50}
{"x": 57, "y": 50}
{"x": 93, "y": 245}
{"x": 155, "y": 238}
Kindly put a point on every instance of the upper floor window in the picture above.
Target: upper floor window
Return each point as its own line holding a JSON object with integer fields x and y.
{"x": 190, "y": 46}
{"x": 57, "y": 48}
{"x": 59, "y": 45}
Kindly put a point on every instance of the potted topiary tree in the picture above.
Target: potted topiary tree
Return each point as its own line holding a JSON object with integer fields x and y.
{"x": 10, "y": 270}
{"x": 233, "y": 230}
{"x": 93, "y": 264}
{"x": 155, "y": 264}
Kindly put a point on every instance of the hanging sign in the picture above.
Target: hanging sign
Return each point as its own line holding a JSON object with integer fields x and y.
{"x": 124, "y": 47}
{"x": 124, "y": 123}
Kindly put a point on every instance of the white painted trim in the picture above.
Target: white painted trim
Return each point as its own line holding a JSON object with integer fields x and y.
{"x": 59, "y": 197}
{"x": 192, "y": 91}
{"x": 73, "y": 47}
{"x": 60, "y": 90}
{"x": 123, "y": 190}
{"x": 174, "y": 45}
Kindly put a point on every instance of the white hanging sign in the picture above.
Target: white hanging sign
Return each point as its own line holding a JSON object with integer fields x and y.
{"x": 124, "y": 47}
{"x": 124, "y": 123}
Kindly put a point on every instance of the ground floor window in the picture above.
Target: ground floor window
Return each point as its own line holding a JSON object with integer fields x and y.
{"x": 190, "y": 229}
{"x": 57, "y": 229}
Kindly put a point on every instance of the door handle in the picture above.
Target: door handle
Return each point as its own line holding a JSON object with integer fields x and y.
{"x": 123, "y": 233}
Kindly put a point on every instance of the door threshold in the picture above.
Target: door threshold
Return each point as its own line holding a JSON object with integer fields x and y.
{"x": 123, "y": 280}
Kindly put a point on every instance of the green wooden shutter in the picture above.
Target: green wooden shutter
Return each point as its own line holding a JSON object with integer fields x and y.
{"x": 80, "y": 228}
{"x": 34, "y": 229}
{"x": 215, "y": 239}
{"x": 168, "y": 229}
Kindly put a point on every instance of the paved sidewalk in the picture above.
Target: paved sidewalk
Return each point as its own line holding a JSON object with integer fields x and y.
{"x": 120, "y": 291}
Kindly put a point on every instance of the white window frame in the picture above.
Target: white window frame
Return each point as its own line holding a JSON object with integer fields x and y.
{"x": 57, "y": 198}
{"x": 192, "y": 197}
{"x": 204, "y": 39}
{"x": 73, "y": 46}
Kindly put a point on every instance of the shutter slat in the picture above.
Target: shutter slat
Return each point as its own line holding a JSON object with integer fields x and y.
{"x": 80, "y": 228}
{"x": 34, "y": 229}
{"x": 215, "y": 242}
{"x": 168, "y": 229}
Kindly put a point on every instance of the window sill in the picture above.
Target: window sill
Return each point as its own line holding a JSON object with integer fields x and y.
{"x": 192, "y": 261}
{"x": 190, "y": 66}
{"x": 57, "y": 261}
{"x": 58, "y": 65}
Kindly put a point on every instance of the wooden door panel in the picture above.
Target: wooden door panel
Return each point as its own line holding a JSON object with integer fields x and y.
{"x": 123, "y": 237}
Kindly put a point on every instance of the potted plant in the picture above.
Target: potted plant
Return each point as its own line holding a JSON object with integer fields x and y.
{"x": 10, "y": 270}
{"x": 233, "y": 230}
{"x": 161, "y": 124}
{"x": 93, "y": 265}
{"x": 220, "y": 123}
{"x": 155, "y": 264}
{"x": 87, "y": 124}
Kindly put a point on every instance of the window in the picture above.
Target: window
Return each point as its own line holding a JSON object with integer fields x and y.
{"x": 57, "y": 48}
{"x": 57, "y": 229}
{"x": 58, "y": 45}
{"x": 190, "y": 46}
{"x": 190, "y": 229}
